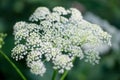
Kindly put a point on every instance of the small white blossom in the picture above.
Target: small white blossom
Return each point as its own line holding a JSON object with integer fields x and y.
{"x": 63, "y": 20}
{"x": 32, "y": 27}
{"x": 56, "y": 38}
{"x": 92, "y": 56}
{"x": 33, "y": 56}
{"x": 19, "y": 25}
{"x": 19, "y": 51}
{"x": 62, "y": 62}
{"x": 37, "y": 67}
{"x": 21, "y": 34}
{"x": 60, "y": 10}
{"x": 33, "y": 39}
{"x": 75, "y": 15}
{"x": 39, "y": 14}
{"x": 53, "y": 17}
{"x": 76, "y": 51}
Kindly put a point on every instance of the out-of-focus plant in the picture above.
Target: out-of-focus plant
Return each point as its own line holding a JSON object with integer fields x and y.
{"x": 58, "y": 37}
{"x": 2, "y": 36}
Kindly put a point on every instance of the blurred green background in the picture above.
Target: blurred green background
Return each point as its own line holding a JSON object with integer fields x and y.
{"x": 12, "y": 11}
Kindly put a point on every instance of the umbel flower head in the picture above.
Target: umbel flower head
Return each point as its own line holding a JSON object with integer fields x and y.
{"x": 57, "y": 36}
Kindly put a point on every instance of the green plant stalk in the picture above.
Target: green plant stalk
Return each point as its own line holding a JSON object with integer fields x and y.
{"x": 64, "y": 75}
{"x": 14, "y": 66}
{"x": 54, "y": 75}
{"x": 66, "y": 72}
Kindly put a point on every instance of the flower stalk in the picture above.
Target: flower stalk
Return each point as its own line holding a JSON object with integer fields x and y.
{"x": 13, "y": 65}
{"x": 64, "y": 75}
{"x": 54, "y": 74}
{"x": 66, "y": 72}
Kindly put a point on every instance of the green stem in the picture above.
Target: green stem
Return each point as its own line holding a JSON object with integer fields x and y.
{"x": 64, "y": 75}
{"x": 54, "y": 75}
{"x": 66, "y": 72}
{"x": 14, "y": 66}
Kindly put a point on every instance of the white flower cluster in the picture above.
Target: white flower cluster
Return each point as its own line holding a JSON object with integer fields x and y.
{"x": 58, "y": 37}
